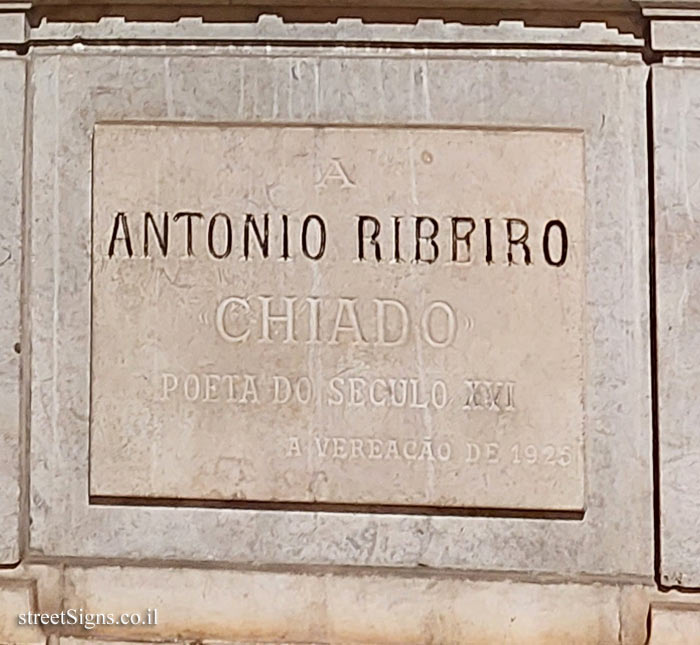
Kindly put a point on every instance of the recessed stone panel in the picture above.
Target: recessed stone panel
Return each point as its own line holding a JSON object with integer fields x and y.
{"x": 350, "y": 315}
{"x": 87, "y": 166}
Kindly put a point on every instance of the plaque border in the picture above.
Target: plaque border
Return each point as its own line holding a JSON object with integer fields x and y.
{"x": 73, "y": 90}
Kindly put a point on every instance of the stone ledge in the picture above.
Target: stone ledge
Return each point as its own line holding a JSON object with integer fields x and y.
{"x": 676, "y": 35}
{"x": 224, "y": 607}
{"x": 273, "y": 28}
{"x": 675, "y": 24}
{"x": 13, "y": 28}
{"x": 550, "y": 22}
{"x": 84, "y": 641}
{"x": 335, "y": 608}
{"x": 87, "y": 641}
{"x": 559, "y": 5}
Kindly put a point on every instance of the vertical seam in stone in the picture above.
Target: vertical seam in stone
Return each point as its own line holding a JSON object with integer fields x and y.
{"x": 619, "y": 615}
{"x": 647, "y": 640}
{"x": 25, "y": 319}
{"x": 653, "y": 347}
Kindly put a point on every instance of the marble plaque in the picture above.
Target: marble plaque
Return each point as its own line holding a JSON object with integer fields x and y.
{"x": 338, "y": 315}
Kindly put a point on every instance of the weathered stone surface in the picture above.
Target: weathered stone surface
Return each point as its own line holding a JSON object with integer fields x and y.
{"x": 336, "y": 609}
{"x": 634, "y": 611}
{"x": 17, "y": 599}
{"x": 12, "y": 73}
{"x": 92, "y": 641}
{"x": 479, "y": 4}
{"x": 677, "y": 163}
{"x": 347, "y": 608}
{"x": 74, "y": 91}
{"x": 335, "y": 337}
{"x": 13, "y": 28}
{"x": 674, "y": 624}
{"x": 676, "y": 35}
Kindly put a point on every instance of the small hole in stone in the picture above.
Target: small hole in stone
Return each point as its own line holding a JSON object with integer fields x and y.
{"x": 18, "y": 348}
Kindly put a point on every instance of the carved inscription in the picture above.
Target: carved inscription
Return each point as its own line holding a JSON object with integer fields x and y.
{"x": 214, "y": 235}
{"x": 350, "y": 315}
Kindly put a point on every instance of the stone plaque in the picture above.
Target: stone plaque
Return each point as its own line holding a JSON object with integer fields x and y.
{"x": 338, "y": 315}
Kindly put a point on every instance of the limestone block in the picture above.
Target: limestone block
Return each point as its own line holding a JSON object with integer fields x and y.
{"x": 676, "y": 35}
{"x": 44, "y": 581}
{"x": 17, "y": 599}
{"x": 634, "y": 610}
{"x": 677, "y": 164}
{"x": 331, "y": 608}
{"x": 674, "y": 624}
{"x": 92, "y": 641}
{"x": 12, "y": 72}
{"x": 13, "y": 28}
{"x": 81, "y": 641}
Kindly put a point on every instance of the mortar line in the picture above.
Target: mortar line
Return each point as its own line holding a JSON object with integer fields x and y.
{"x": 25, "y": 317}
{"x": 653, "y": 339}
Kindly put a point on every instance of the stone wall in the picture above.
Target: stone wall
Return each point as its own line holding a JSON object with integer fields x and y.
{"x": 349, "y": 324}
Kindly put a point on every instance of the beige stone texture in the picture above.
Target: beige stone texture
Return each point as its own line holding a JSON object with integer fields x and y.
{"x": 77, "y": 88}
{"x": 339, "y": 609}
{"x": 92, "y": 641}
{"x": 634, "y": 611}
{"x": 18, "y": 598}
{"x": 12, "y": 72}
{"x": 438, "y": 366}
{"x": 315, "y": 607}
{"x": 674, "y": 624}
{"x": 424, "y": 4}
{"x": 44, "y": 582}
{"x": 676, "y": 133}
{"x": 670, "y": 8}
{"x": 13, "y": 28}
{"x": 676, "y": 35}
